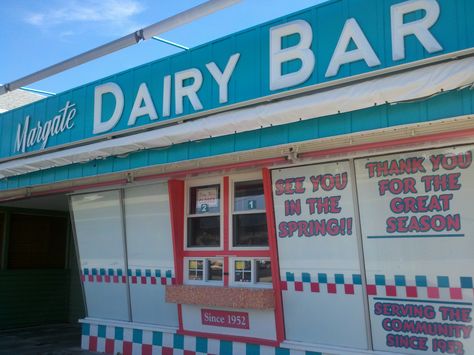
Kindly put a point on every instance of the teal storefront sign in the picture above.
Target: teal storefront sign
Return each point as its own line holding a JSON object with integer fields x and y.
{"x": 335, "y": 40}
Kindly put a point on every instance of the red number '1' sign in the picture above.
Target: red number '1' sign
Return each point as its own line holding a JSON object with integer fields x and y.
{"x": 227, "y": 319}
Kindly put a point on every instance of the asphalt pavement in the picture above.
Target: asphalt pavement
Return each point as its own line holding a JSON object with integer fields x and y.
{"x": 57, "y": 339}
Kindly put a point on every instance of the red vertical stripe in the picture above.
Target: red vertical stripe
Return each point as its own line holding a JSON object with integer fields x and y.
{"x": 127, "y": 348}
{"x": 371, "y": 290}
{"x": 225, "y": 203}
{"x": 433, "y": 292}
{"x": 147, "y": 349}
{"x": 180, "y": 318}
{"x": 92, "y": 343}
{"x": 332, "y": 288}
{"x": 391, "y": 290}
{"x": 109, "y": 346}
{"x": 411, "y": 291}
{"x": 349, "y": 289}
{"x": 272, "y": 242}
{"x": 455, "y": 293}
{"x": 298, "y": 286}
{"x": 176, "y": 197}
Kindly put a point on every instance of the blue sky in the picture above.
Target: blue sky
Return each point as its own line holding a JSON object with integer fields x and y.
{"x": 35, "y": 34}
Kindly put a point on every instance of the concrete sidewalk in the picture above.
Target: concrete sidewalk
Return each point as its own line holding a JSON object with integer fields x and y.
{"x": 57, "y": 339}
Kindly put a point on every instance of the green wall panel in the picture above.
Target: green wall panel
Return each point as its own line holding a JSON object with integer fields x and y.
{"x": 30, "y": 297}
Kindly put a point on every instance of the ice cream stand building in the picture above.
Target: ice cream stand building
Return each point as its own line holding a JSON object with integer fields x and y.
{"x": 304, "y": 186}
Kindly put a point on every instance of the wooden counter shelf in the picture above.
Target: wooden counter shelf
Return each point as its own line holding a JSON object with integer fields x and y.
{"x": 219, "y": 296}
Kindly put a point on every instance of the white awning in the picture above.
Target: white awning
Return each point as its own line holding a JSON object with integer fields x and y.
{"x": 410, "y": 85}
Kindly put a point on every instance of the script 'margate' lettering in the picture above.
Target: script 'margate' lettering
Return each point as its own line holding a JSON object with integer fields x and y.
{"x": 27, "y": 137}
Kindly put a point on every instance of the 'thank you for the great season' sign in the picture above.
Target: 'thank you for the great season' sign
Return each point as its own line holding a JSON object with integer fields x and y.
{"x": 416, "y": 195}
{"x": 334, "y": 40}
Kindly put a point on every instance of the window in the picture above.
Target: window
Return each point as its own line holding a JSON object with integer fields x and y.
{"x": 242, "y": 271}
{"x": 203, "y": 228}
{"x": 214, "y": 269}
{"x": 249, "y": 219}
{"x": 149, "y": 242}
{"x": 225, "y": 220}
{"x": 196, "y": 270}
{"x": 263, "y": 271}
{"x": 99, "y": 222}
{"x": 210, "y": 270}
{"x": 252, "y": 272}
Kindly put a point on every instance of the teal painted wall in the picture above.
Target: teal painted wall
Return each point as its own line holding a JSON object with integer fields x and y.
{"x": 445, "y": 105}
{"x": 454, "y": 30}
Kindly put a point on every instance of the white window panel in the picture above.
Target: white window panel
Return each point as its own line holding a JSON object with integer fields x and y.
{"x": 150, "y": 253}
{"x": 100, "y": 238}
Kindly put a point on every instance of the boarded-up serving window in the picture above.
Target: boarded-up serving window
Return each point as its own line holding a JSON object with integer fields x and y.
{"x": 417, "y": 223}
{"x": 37, "y": 242}
{"x": 149, "y": 250}
{"x": 323, "y": 299}
{"x": 98, "y": 223}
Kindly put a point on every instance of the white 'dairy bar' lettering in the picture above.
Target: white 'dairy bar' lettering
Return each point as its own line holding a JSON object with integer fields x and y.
{"x": 27, "y": 137}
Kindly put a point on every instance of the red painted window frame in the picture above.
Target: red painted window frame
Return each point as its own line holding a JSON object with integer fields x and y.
{"x": 177, "y": 192}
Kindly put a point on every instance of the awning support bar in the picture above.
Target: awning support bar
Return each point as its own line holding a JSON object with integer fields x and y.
{"x": 163, "y": 26}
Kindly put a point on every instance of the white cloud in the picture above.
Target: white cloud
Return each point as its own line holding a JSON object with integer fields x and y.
{"x": 114, "y": 13}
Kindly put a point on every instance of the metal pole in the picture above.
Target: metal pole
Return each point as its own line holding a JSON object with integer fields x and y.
{"x": 166, "y": 25}
{"x": 47, "y": 93}
{"x": 159, "y": 39}
{"x": 187, "y": 16}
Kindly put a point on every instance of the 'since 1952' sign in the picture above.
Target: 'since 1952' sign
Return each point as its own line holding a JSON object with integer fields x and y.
{"x": 228, "y": 319}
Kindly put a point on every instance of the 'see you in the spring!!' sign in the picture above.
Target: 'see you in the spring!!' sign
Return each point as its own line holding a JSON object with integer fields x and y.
{"x": 318, "y": 254}
{"x": 317, "y": 196}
